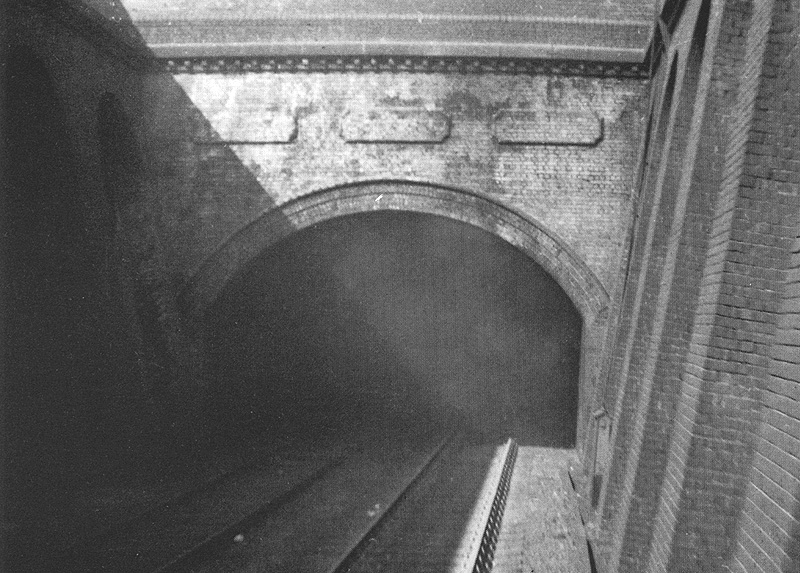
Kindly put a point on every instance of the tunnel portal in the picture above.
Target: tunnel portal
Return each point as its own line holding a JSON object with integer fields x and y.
{"x": 391, "y": 318}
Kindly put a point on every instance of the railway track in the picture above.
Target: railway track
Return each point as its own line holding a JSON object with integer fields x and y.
{"x": 448, "y": 521}
{"x": 422, "y": 507}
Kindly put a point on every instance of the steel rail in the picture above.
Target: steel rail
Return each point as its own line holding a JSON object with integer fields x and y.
{"x": 351, "y": 555}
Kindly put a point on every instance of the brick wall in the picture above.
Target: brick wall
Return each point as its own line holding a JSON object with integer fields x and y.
{"x": 768, "y": 537}
{"x": 553, "y": 149}
{"x": 719, "y": 395}
{"x": 542, "y": 160}
{"x": 703, "y": 478}
{"x": 696, "y": 368}
{"x": 707, "y": 183}
{"x": 666, "y": 313}
{"x": 349, "y": 128}
{"x": 631, "y": 344}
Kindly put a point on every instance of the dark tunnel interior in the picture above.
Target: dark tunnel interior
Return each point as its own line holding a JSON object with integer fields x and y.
{"x": 389, "y": 319}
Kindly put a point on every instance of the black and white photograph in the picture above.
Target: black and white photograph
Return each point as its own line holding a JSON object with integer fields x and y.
{"x": 400, "y": 286}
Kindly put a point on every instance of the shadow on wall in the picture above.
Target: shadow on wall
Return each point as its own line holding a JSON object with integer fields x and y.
{"x": 373, "y": 318}
{"x": 99, "y": 375}
{"x": 396, "y": 314}
{"x": 54, "y": 341}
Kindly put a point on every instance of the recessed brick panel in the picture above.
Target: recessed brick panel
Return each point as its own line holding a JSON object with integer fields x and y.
{"x": 545, "y": 127}
{"x": 395, "y": 126}
{"x": 427, "y": 128}
{"x": 257, "y": 126}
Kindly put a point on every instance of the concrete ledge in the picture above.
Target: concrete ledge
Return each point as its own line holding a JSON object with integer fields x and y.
{"x": 400, "y": 35}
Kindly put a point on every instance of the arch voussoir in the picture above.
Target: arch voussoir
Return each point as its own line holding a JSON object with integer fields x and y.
{"x": 573, "y": 275}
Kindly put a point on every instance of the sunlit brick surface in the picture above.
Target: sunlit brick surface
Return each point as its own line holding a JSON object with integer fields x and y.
{"x": 542, "y": 529}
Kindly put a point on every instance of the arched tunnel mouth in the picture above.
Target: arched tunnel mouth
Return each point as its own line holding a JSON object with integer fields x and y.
{"x": 391, "y": 320}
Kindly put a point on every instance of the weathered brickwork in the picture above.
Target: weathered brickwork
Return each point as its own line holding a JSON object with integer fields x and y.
{"x": 577, "y": 190}
{"x": 769, "y": 528}
{"x": 621, "y": 403}
{"x": 707, "y": 183}
{"x": 219, "y": 152}
{"x": 620, "y": 329}
{"x": 768, "y": 536}
{"x": 668, "y": 315}
{"x": 702, "y": 477}
{"x": 684, "y": 282}
{"x": 679, "y": 245}
{"x": 731, "y": 358}
{"x": 479, "y": 135}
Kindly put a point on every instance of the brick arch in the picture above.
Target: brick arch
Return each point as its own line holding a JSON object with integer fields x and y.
{"x": 572, "y": 274}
